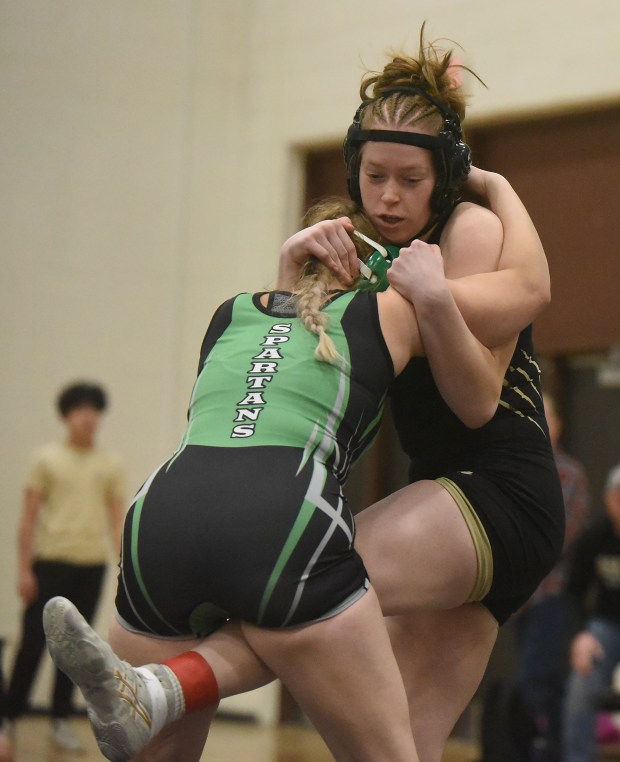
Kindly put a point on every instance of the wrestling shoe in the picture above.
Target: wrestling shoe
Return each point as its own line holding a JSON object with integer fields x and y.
{"x": 126, "y": 706}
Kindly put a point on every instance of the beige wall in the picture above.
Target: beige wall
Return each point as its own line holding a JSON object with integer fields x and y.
{"x": 149, "y": 169}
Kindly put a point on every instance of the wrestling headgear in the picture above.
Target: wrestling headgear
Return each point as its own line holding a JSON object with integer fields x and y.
{"x": 452, "y": 156}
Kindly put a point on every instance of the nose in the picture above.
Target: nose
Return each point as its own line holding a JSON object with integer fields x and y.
{"x": 389, "y": 192}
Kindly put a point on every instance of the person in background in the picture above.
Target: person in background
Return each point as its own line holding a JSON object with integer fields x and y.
{"x": 541, "y": 625}
{"x": 593, "y": 588}
{"x": 74, "y": 496}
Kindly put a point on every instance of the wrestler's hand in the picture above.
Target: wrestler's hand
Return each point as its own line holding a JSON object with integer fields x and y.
{"x": 330, "y": 242}
{"x": 585, "y": 649}
{"x": 418, "y": 273}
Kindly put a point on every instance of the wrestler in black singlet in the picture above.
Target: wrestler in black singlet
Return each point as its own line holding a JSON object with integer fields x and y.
{"x": 505, "y": 470}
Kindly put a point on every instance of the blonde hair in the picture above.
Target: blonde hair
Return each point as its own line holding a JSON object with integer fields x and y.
{"x": 312, "y": 287}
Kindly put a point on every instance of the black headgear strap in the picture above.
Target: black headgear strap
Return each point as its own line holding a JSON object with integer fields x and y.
{"x": 357, "y": 135}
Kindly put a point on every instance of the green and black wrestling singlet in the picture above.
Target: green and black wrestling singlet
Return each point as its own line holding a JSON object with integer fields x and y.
{"x": 247, "y": 519}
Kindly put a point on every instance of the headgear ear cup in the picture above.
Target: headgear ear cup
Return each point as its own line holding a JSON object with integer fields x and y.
{"x": 456, "y": 157}
{"x": 351, "y": 152}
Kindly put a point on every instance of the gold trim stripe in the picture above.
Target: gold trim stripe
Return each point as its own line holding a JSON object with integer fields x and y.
{"x": 484, "y": 554}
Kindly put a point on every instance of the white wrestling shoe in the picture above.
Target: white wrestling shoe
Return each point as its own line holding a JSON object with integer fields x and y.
{"x": 126, "y": 706}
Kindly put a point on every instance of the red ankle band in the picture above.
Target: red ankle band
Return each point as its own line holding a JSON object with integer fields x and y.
{"x": 197, "y": 680}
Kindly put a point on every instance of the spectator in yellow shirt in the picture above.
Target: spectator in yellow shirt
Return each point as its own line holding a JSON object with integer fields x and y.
{"x": 74, "y": 496}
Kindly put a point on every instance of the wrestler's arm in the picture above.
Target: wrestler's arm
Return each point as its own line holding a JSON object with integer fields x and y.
{"x": 495, "y": 303}
{"x": 499, "y": 290}
{"x": 473, "y": 390}
{"x": 496, "y": 255}
{"x": 469, "y": 375}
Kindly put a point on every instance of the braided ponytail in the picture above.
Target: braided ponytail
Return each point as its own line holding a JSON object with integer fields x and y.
{"x": 309, "y": 302}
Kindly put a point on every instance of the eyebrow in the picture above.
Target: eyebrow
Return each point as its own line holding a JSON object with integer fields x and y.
{"x": 412, "y": 167}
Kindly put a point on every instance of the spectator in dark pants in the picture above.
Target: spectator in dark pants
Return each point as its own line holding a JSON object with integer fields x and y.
{"x": 74, "y": 495}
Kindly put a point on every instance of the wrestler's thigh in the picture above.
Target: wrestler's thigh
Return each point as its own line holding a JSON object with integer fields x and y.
{"x": 442, "y": 656}
{"x": 417, "y": 549}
